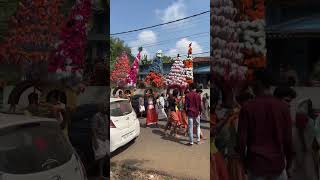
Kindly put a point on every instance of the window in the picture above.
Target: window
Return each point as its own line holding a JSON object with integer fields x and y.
{"x": 120, "y": 108}
{"x": 33, "y": 148}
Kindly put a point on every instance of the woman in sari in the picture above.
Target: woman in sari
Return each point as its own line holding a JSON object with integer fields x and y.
{"x": 205, "y": 107}
{"x": 227, "y": 139}
{"x": 307, "y": 143}
{"x": 234, "y": 164}
{"x": 152, "y": 116}
{"x": 174, "y": 113}
{"x": 218, "y": 169}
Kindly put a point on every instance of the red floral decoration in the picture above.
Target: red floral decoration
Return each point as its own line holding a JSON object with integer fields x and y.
{"x": 121, "y": 71}
{"x": 188, "y": 63}
{"x": 154, "y": 80}
{"x": 32, "y": 32}
{"x": 69, "y": 55}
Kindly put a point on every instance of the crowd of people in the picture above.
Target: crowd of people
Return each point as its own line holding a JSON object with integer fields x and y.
{"x": 182, "y": 109}
{"x": 259, "y": 138}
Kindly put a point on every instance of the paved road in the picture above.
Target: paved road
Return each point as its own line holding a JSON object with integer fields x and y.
{"x": 152, "y": 151}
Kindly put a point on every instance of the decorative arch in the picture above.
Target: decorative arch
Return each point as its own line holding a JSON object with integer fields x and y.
{"x": 18, "y": 90}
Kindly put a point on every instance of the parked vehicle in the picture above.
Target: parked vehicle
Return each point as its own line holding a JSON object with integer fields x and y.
{"x": 35, "y": 148}
{"x": 124, "y": 124}
{"x": 81, "y": 137}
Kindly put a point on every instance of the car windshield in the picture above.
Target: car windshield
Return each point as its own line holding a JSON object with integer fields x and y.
{"x": 120, "y": 108}
{"x": 32, "y": 148}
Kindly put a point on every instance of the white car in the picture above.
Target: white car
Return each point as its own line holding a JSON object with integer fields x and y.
{"x": 35, "y": 148}
{"x": 124, "y": 124}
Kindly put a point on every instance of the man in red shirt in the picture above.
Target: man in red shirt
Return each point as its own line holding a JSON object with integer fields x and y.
{"x": 265, "y": 133}
{"x": 193, "y": 106}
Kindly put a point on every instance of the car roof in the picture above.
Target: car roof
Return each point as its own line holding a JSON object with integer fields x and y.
{"x": 117, "y": 99}
{"x": 7, "y": 120}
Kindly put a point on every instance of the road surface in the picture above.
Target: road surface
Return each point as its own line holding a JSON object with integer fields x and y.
{"x": 152, "y": 151}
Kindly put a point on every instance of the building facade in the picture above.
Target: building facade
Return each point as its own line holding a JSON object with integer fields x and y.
{"x": 293, "y": 37}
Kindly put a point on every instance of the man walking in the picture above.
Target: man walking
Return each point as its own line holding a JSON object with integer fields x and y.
{"x": 265, "y": 133}
{"x": 193, "y": 107}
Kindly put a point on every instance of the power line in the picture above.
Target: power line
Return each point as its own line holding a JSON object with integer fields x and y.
{"x": 169, "y": 40}
{"x": 185, "y": 28}
{"x": 186, "y": 55}
{"x": 187, "y": 25}
{"x": 204, "y": 45}
{"x": 170, "y": 22}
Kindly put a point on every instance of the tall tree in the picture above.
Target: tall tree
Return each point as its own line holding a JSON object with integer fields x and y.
{"x": 117, "y": 47}
{"x": 7, "y": 9}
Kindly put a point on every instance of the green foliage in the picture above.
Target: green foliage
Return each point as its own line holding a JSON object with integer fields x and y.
{"x": 167, "y": 59}
{"x": 117, "y": 47}
{"x": 7, "y": 10}
{"x": 144, "y": 60}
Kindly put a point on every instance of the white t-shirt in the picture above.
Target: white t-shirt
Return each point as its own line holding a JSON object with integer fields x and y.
{"x": 162, "y": 101}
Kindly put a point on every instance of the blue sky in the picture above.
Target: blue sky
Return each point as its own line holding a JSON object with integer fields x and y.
{"x": 171, "y": 39}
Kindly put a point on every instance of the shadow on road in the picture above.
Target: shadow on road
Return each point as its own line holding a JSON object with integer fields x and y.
{"x": 121, "y": 149}
{"x": 169, "y": 138}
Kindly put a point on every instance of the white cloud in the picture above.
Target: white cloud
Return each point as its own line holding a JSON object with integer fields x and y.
{"x": 144, "y": 38}
{"x": 182, "y": 47}
{"x": 176, "y": 10}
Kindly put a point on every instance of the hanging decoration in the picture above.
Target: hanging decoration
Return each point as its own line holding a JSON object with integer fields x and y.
{"x": 119, "y": 75}
{"x": 155, "y": 77}
{"x": 252, "y": 29}
{"x": 226, "y": 45}
{"x": 188, "y": 66}
{"x": 132, "y": 78}
{"x": 67, "y": 60}
{"x": 32, "y": 32}
{"x": 176, "y": 76}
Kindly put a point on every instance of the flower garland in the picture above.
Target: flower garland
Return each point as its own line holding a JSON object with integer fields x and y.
{"x": 132, "y": 78}
{"x": 155, "y": 80}
{"x": 188, "y": 66}
{"x": 226, "y": 46}
{"x": 121, "y": 70}
{"x": 176, "y": 76}
{"x": 254, "y": 9}
{"x": 252, "y": 29}
{"x": 68, "y": 58}
{"x": 32, "y": 32}
{"x": 188, "y": 70}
